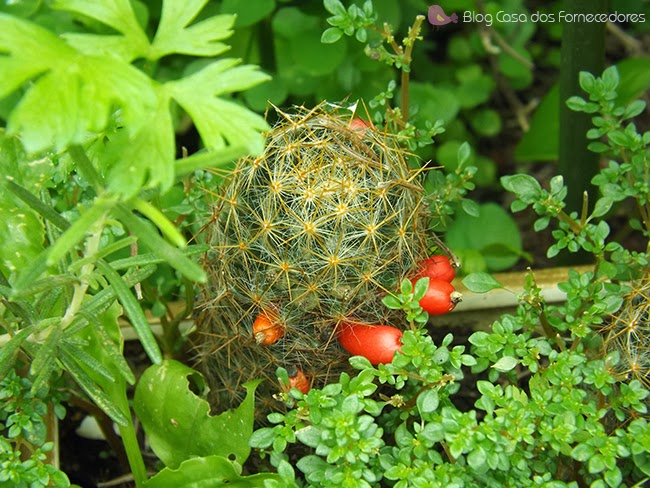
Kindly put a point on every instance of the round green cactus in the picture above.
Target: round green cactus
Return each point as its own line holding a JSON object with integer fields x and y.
{"x": 313, "y": 233}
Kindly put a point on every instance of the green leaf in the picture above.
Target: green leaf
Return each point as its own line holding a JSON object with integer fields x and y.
{"x": 421, "y": 287}
{"x": 314, "y": 58}
{"x": 167, "y": 228}
{"x": 576, "y": 103}
{"x": 522, "y": 185}
{"x": 168, "y": 253}
{"x": 38, "y": 206}
{"x": 481, "y": 282}
{"x": 335, "y": 7}
{"x": 99, "y": 397}
{"x": 582, "y": 452}
{"x": 505, "y": 364}
{"x": 492, "y": 229}
{"x": 151, "y": 258}
{"x": 406, "y": 287}
{"x": 392, "y": 302}
{"x": 117, "y": 14}
{"x": 433, "y": 103}
{"x": 221, "y": 121}
{"x": 611, "y": 78}
{"x": 145, "y": 158}
{"x": 541, "y": 142}
{"x": 477, "y": 459}
{"x": 133, "y": 311}
{"x": 9, "y": 350}
{"x": 209, "y": 471}
{"x": 199, "y": 39}
{"x": 486, "y": 122}
{"x": 209, "y": 159}
{"x": 178, "y": 423}
{"x": 428, "y": 401}
{"x": 331, "y": 35}
{"x": 102, "y": 301}
{"x": 248, "y": 12}
{"x": 22, "y": 232}
{"x": 84, "y": 224}
{"x": 464, "y": 154}
{"x": 81, "y": 91}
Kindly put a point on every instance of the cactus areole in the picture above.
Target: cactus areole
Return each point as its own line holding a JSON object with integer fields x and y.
{"x": 318, "y": 228}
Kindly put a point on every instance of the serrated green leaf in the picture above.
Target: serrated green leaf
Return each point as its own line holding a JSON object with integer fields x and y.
{"x": 81, "y": 91}
{"x": 117, "y": 14}
{"x": 209, "y": 471}
{"x": 199, "y": 39}
{"x": 218, "y": 120}
{"x": 146, "y": 158}
{"x": 178, "y": 423}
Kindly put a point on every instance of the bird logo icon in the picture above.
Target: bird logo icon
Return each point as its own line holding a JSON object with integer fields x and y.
{"x": 437, "y": 16}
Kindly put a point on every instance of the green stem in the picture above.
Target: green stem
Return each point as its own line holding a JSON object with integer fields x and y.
{"x": 583, "y": 49}
{"x": 413, "y": 34}
{"x": 128, "y": 434}
{"x": 92, "y": 247}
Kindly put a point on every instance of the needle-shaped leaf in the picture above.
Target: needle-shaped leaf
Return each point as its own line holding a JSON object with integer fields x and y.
{"x": 79, "y": 228}
{"x": 172, "y": 255}
{"x": 37, "y": 205}
{"x": 96, "y": 394}
{"x": 168, "y": 229}
{"x": 102, "y": 301}
{"x": 88, "y": 361}
{"x": 9, "y": 350}
{"x": 151, "y": 258}
{"x": 133, "y": 311}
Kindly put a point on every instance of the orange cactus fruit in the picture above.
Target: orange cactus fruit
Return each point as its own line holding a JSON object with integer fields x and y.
{"x": 267, "y": 328}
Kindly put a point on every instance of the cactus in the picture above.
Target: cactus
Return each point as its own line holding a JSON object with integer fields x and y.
{"x": 312, "y": 233}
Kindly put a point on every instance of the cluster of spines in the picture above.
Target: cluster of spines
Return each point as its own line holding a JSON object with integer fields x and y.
{"x": 318, "y": 229}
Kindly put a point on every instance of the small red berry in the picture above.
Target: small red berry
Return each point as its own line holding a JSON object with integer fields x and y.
{"x": 360, "y": 125}
{"x": 438, "y": 267}
{"x": 377, "y": 343}
{"x": 267, "y": 328}
{"x": 440, "y": 298}
{"x": 300, "y": 382}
